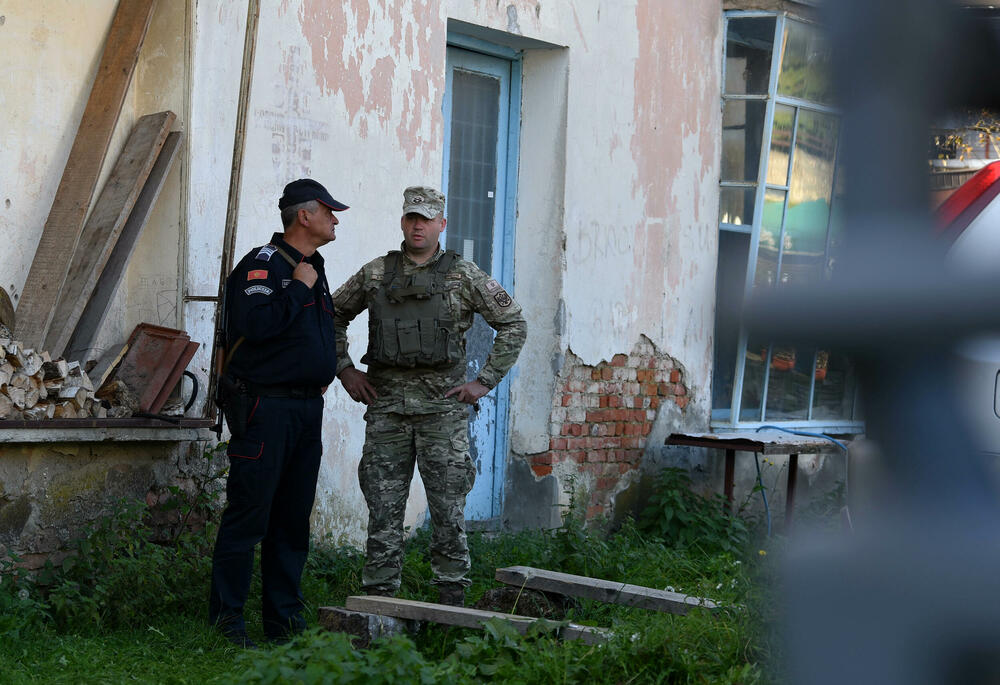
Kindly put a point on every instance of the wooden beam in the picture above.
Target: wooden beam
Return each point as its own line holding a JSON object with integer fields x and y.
{"x": 76, "y": 188}
{"x": 105, "y": 224}
{"x": 601, "y": 590}
{"x": 468, "y": 618}
{"x": 82, "y": 339}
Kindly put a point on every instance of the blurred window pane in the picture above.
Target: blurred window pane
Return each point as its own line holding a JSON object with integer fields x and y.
{"x": 736, "y": 207}
{"x": 781, "y": 145}
{"x": 742, "y": 134}
{"x": 811, "y": 187}
{"x": 729, "y": 284}
{"x": 836, "y": 382}
{"x": 765, "y": 274}
{"x": 805, "y": 62}
{"x": 749, "y": 44}
{"x": 789, "y": 381}
{"x": 753, "y": 379}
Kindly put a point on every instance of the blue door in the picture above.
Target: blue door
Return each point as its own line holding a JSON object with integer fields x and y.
{"x": 479, "y": 184}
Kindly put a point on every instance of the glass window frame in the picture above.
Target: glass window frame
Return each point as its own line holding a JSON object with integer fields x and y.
{"x": 719, "y": 421}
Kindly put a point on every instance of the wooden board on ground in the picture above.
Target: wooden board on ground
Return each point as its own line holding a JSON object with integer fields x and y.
{"x": 82, "y": 340}
{"x": 601, "y": 590}
{"x": 76, "y": 188}
{"x": 105, "y": 223}
{"x": 467, "y": 618}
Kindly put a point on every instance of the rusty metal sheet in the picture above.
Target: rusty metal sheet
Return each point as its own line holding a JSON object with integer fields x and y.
{"x": 149, "y": 364}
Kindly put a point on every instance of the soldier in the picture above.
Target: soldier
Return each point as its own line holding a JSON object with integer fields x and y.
{"x": 420, "y": 301}
{"x": 279, "y": 328}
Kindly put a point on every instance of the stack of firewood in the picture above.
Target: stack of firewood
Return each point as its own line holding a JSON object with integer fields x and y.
{"x": 34, "y": 386}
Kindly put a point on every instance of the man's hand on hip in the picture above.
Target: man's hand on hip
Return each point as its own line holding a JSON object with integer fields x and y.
{"x": 469, "y": 393}
{"x": 357, "y": 386}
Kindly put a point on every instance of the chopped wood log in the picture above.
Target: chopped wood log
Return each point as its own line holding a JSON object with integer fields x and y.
{"x": 601, "y": 590}
{"x": 15, "y": 356}
{"x": 77, "y": 376}
{"x": 20, "y": 380}
{"x": 119, "y": 413}
{"x": 32, "y": 363}
{"x": 30, "y": 396}
{"x": 119, "y": 395}
{"x": 467, "y": 618}
{"x": 99, "y": 412}
{"x": 16, "y": 396}
{"x": 6, "y": 406}
{"x": 55, "y": 370}
{"x": 65, "y": 410}
{"x": 39, "y": 385}
{"x": 76, "y": 395}
{"x": 38, "y": 412}
{"x": 6, "y": 371}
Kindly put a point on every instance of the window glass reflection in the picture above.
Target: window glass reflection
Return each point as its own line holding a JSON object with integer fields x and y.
{"x": 742, "y": 134}
{"x": 749, "y": 44}
{"x": 805, "y": 63}
{"x": 789, "y": 380}
{"x": 781, "y": 145}
{"x": 836, "y": 382}
{"x": 729, "y": 285}
{"x": 770, "y": 234}
{"x": 736, "y": 206}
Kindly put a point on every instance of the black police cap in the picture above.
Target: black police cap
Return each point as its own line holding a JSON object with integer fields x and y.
{"x": 306, "y": 189}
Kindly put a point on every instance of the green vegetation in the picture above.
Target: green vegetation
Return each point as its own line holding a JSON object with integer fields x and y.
{"x": 127, "y": 609}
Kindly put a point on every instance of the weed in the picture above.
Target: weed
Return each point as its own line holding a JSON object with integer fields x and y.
{"x": 685, "y": 519}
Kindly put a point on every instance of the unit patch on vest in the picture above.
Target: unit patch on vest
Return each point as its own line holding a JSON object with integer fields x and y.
{"x": 257, "y": 274}
{"x": 265, "y": 252}
{"x": 492, "y": 286}
{"x": 502, "y": 298}
{"x": 285, "y": 282}
{"x": 262, "y": 289}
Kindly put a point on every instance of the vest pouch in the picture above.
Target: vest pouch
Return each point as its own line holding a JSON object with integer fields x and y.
{"x": 388, "y": 347}
{"x": 408, "y": 335}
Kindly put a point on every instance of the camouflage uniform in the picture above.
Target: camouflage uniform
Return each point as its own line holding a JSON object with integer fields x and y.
{"x": 411, "y": 421}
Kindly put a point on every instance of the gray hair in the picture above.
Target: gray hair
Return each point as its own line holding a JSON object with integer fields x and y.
{"x": 289, "y": 213}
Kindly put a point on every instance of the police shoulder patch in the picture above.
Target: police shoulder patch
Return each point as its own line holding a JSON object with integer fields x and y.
{"x": 503, "y": 299}
{"x": 264, "y": 254}
{"x": 493, "y": 286}
{"x": 258, "y": 289}
{"x": 257, "y": 274}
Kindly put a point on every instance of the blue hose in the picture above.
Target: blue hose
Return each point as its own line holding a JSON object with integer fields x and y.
{"x": 760, "y": 482}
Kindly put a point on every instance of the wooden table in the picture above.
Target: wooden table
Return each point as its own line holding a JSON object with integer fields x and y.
{"x": 764, "y": 442}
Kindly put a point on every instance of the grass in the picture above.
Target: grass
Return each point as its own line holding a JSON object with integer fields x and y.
{"x": 141, "y": 639}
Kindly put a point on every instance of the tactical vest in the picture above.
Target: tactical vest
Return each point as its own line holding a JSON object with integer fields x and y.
{"x": 409, "y": 323}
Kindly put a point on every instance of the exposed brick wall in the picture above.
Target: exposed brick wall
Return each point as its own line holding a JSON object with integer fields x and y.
{"x": 601, "y": 417}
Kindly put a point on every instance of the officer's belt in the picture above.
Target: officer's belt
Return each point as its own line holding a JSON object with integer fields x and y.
{"x": 295, "y": 391}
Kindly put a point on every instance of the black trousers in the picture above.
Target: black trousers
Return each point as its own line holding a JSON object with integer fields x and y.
{"x": 270, "y": 493}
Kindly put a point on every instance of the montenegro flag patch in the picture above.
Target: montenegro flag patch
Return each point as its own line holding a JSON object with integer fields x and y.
{"x": 257, "y": 274}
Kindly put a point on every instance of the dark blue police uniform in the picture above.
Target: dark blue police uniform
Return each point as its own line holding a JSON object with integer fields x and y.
{"x": 287, "y": 356}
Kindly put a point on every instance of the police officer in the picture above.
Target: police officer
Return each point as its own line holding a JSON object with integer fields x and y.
{"x": 420, "y": 301}
{"x": 280, "y": 339}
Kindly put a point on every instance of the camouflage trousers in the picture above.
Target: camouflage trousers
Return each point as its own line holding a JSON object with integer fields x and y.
{"x": 439, "y": 446}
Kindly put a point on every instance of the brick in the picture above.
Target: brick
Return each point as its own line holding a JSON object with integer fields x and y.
{"x": 566, "y": 429}
{"x": 606, "y": 483}
{"x": 650, "y": 415}
{"x": 624, "y": 374}
{"x": 577, "y": 415}
{"x": 649, "y": 388}
{"x": 619, "y": 428}
{"x": 680, "y": 390}
{"x": 575, "y": 385}
{"x": 582, "y": 372}
{"x": 675, "y": 376}
{"x": 665, "y": 389}
{"x": 603, "y": 401}
{"x": 632, "y": 429}
{"x": 643, "y": 375}
{"x": 614, "y": 401}
{"x": 596, "y": 415}
{"x": 618, "y": 360}
{"x": 647, "y": 429}
{"x": 591, "y": 400}
{"x": 566, "y": 399}
{"x": 654, "y": 402}
{"x": 592, "y": 388}
{"x": 594, "y": 510}
{"x": 576, "y": 443}
{"x": 595, "y": 374}
{"x": 575, "y": 429}
{"x": 543, "y": 458}
{"x": 557, "y": 443}
{"x": 630, "y": 388}
{"x": 580, "y": 456}
{"x": 624, "y": 467}
{"x": 681, "y": 401}
{"x": 560, "y": 414}
{"x": 607, "y": 373}
{"x": 541, "y": 470}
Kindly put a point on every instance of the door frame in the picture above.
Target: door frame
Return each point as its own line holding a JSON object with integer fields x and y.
{"x": 505, "y": 206}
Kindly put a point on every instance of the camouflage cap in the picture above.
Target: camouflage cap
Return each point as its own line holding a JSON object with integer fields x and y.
{"x": 423, "y": 200}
